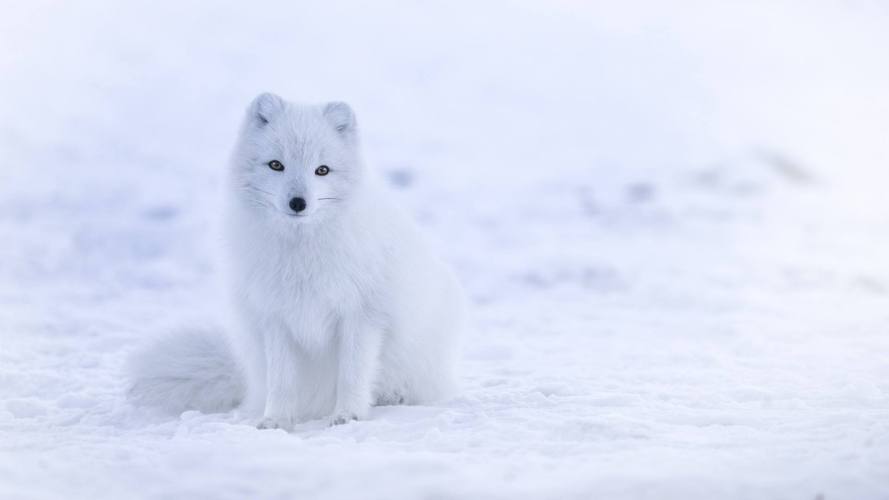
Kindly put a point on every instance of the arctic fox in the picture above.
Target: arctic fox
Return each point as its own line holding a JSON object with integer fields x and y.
{"x": 339, "y": 304}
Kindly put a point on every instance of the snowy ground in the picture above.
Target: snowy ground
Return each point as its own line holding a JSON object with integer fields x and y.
{"x": 671, "y": 219}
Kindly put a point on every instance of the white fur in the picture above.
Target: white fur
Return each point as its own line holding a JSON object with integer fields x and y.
{"x": 341, "y": 306}
{"x": 190, "y": 369}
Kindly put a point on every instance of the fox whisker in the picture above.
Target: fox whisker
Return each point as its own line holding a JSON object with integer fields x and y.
{"x": 254, "y": 188}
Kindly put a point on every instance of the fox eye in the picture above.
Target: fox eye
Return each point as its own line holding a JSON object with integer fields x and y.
{"x": 276, "y": 165}
{"x": 322, "y": 170}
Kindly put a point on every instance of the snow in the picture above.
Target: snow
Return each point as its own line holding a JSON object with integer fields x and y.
{"x": 670, "y": 218}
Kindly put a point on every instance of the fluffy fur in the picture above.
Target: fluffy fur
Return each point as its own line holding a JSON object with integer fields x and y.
{"x": 191, "y": 369}
{"x": 340, "y": 306}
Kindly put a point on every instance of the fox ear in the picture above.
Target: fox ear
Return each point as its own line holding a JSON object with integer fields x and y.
{"x": 264, "y": 108}
{"x": 340, "y": 116}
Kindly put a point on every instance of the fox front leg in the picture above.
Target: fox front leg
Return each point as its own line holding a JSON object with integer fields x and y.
{"x": 281, "y": 358}
{"x": 359, "y": 352}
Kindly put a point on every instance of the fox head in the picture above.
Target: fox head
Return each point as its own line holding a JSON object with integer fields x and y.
{"x": 300, "y": 163}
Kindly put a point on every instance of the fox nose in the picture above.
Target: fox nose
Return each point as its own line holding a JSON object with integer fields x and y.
{"x": 297, "y": 204}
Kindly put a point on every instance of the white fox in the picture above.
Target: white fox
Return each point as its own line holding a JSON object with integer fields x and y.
{"x": 340, "y": 305}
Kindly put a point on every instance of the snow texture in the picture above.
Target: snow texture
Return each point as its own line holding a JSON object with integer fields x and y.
{"x": 670, "y": 217}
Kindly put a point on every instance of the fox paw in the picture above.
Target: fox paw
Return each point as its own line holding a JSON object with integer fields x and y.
{"x": 275, "y": 423}
{"x": 341, "y": 418}
{"x": 390, "y": 399}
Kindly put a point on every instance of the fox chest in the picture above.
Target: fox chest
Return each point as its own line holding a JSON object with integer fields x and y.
{"x": 307, "y": 294}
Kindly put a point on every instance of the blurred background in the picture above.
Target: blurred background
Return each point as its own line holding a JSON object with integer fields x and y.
{"x": 670, "y": 217}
